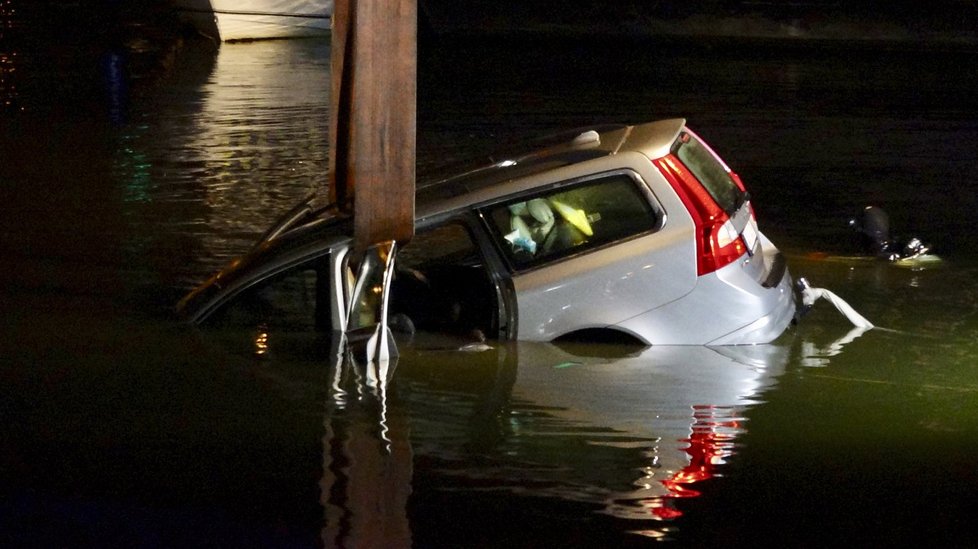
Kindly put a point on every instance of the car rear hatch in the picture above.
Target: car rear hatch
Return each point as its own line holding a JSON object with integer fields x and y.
{"x": 720, "y": 206}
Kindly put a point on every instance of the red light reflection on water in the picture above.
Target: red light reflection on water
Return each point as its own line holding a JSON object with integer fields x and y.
{"x": 710, "y": 442}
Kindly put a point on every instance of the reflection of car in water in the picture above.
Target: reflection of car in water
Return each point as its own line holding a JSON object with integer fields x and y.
{"x": 626, "y": 232}
{"x": 683, "y": 405}
{"x": 629, "y": 429}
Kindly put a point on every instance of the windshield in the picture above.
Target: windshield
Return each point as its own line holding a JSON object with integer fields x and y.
{"x": 711, "y": 172}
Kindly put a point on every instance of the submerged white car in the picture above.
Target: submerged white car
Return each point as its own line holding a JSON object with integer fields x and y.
{"x": 616, "y": 233}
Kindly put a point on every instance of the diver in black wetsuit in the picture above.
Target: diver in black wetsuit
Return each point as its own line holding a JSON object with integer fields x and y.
{"x": 873, "y": 227}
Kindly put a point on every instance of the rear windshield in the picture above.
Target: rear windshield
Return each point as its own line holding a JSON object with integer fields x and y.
{"x": 710, "y": 171}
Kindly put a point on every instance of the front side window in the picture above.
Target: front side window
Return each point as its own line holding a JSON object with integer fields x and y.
{"x": 297, "y": 299}
{"x": 571, "y": 219}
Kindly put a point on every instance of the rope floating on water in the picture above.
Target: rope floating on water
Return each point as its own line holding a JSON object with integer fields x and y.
{"x": 809, "y": 295}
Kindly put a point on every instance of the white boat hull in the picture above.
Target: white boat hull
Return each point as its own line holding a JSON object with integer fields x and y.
{"x": 235, "y": 20}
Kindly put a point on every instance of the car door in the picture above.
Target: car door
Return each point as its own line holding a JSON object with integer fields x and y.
{"x": 446, "y": 280}
{"x": 608, "y": 255}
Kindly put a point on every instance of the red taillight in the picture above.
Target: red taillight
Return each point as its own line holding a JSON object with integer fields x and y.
{"x": 718, "y": 243}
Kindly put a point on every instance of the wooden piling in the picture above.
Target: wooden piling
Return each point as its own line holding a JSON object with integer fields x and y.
{"x": 373, "y": 116}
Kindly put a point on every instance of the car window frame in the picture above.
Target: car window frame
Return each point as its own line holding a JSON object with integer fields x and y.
{"x": 499, "y": 274}
{"x": 278, "y": 264}
{"x": 325, "y": 257}
{"x": 496, "y": 238}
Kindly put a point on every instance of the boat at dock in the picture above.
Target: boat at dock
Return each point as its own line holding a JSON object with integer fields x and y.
{"x": 240, "y": 20}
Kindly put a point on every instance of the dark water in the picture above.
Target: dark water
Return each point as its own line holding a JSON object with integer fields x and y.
{"x": 129, "y": 172}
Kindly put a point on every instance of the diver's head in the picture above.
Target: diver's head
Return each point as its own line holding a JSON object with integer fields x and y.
{"x": 873, "y": 226}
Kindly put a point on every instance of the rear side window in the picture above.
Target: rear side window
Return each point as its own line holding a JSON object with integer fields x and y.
{"x": 714, "y": 176}
{"x": 571, "y": 219}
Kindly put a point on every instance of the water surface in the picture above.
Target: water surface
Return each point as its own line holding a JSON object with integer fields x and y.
{"x": 124, "y": 427}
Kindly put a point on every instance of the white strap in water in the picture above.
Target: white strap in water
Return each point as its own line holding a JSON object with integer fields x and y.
{"x": 809, "y": 295}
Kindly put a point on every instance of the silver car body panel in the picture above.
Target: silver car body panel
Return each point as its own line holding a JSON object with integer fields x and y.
{"x": 607, "y": 286}
{"x": 727, "y": 307}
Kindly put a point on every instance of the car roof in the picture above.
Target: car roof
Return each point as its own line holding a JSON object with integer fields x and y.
{"x": 487, "y": 179}
{"x": 653, "y": 139}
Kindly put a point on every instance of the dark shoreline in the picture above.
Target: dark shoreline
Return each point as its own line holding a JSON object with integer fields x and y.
{"x": 825, "y": 24}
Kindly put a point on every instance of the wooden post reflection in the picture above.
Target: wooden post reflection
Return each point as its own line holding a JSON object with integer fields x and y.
{"x": 367, "y": 460}
{"x": 367, "y": 463}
